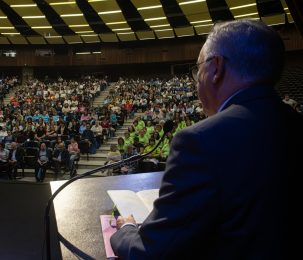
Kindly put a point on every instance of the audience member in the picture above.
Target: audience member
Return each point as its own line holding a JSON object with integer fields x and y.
{"x": 60, "y": 159}
{"x": 15, "y": 159}
{"x": 287, "y": 100}
{"x": 4, "y": 154}
{"x": 130, "y": 167}
{"x": 43, "y": 161}
{"x": 74, "y": 153}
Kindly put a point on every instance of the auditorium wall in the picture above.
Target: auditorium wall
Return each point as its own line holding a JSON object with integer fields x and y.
{"x": 124, "y": 58}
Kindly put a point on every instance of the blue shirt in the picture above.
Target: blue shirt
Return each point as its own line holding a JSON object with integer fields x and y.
{"x": 45, "y": 118}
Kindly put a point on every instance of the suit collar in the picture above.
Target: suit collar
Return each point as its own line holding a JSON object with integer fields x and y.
{"x": 249, "y": 94}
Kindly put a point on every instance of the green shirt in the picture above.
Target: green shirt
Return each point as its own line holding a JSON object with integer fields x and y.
{"x": 161, "y": 133}
{"x": 150, "y": 129}
{"x": 154, "y": 153}
{"x": 141, "y": 124}
{"x": 128, "y": 141}
{"x": 143, "y": 139}
{"x": 165, "y": 150}
{"x": 132, "y": 135}
{"x": 121, "y": 147}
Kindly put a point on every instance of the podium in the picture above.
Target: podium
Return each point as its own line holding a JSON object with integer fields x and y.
{"x": 75, "y": 220}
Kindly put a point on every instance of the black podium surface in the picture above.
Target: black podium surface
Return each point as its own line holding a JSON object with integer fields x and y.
{"x": 79, "y": 206}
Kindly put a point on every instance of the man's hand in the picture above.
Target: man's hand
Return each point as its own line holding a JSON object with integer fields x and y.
{"x": 124, "y": 220}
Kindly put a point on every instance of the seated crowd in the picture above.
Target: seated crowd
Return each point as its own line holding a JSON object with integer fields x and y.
{"x": 6, "y": 84}
{"x": 158, "y": 101}
{"x": 52, "y": 121}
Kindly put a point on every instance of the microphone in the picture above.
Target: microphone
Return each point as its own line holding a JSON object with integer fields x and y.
{"x": 167, "y": 127}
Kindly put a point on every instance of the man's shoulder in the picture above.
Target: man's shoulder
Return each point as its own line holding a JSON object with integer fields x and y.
{"x": 230, "y": 116}
{"x": 218, "y": 128}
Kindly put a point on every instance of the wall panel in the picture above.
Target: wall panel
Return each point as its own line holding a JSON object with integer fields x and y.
{"x": 140, "y": 52}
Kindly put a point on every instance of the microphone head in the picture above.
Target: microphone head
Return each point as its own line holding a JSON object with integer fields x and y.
{"x": 168, "y": 126}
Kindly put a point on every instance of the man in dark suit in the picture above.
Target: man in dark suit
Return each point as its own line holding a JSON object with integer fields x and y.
{"x": 226, "y": 191}
{"x": 15, "y": 159}
{"x": 60, "y": 159}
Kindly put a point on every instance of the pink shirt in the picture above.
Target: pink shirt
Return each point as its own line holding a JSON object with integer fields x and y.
{"x": 85, "y": 117}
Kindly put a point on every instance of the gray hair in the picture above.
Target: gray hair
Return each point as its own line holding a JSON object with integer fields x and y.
{"x": 254, "y": 50}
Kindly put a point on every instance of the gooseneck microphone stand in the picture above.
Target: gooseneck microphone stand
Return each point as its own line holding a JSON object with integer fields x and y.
{"x": 166, "y": 128}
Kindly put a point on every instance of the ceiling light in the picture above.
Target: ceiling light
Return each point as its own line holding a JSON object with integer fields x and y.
{"x": 111, "y": 12}
{"x": 275, "y": 24}
{"x": 204, "y": 25}
{"x": 242, "y": 6}
{"x": 243, "y": 15}
{"x": 166, "y": 37}
{"x": 3, "y": 17}
{"x": 24, "y": 5}
{"x": 121, "y": 29}
{"x": 286, "y": 8}
{"x": 7, "y": 27}
{"x": 63, "y": 3}
{"x": 53, "y": 36}
{"x": 185, "y": 35}
{"x": 163, "y": 30}
{"x": 202, "y": 21}
{"x": 70, "y": 15}
{"x": 85, "y": 52}
{"x": 97, "y": 52}
{"x": 252, "y": 18}
{"x": 78, "y": 25}
{"x": 191, "y": 2}
{"x": 33, "y": 17}
{"x": 160, "y": 25}
{"x": 126, "y": 33}
{"x": 42, "y": 27}
{"x": 150, "y": 7}
{"x": 84, "y": 32}
{"x": 11, "y": 33}
{"x": 89, "y": 35}
{"x": 122, "y": 22}
{"x": 154, "y": 19}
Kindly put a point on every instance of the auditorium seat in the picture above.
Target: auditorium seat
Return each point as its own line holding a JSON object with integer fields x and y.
{"x": 84, "y": 148}
{"x": 30, "y": 158}
{"x": 31, "y": 144}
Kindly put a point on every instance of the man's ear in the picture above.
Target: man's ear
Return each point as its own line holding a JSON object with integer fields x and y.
{"x": 218, "y": 72}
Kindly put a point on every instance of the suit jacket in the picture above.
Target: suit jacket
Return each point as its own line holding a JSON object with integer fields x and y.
{"x": 19, "y": 154}
{"x": 64, "y": 155}
{"x": 227, "y": 189}
{"x": 88, "y": 134}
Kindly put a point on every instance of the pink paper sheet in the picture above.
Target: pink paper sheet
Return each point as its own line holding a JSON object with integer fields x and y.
{"x": 107, "y": 232}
